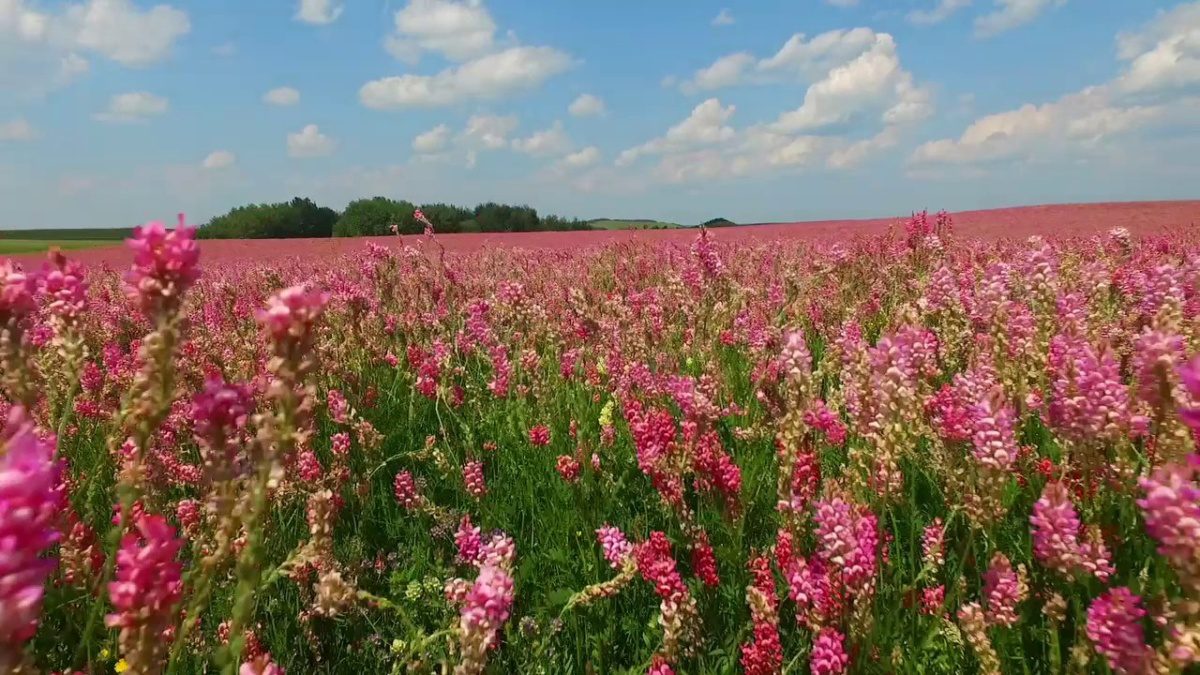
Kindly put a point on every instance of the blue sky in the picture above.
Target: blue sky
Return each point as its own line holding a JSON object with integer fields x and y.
{"x": 113, "y": 112}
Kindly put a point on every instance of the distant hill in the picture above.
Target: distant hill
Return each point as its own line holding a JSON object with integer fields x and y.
{"x": 719, "y": 222}
{"x": 71, "y": 234}
{"x": 630, "y": 224}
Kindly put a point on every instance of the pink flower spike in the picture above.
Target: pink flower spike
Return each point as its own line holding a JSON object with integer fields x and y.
{"x": 1114, "y": 625}
{"x": 828, "y": 653}
{"x": 30, "y": 500}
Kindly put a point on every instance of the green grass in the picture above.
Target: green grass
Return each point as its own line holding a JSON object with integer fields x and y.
{"x": 12, "y": 246}
{"x": 617, "y": 224}
{"x": 69, "y": 234}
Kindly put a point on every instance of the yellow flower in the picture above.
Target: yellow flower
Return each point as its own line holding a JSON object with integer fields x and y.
{"x": 104, "y": 654}
{"x": 121, "y": 666}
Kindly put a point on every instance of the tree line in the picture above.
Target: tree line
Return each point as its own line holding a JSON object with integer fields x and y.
{"x": 376, "y": 216}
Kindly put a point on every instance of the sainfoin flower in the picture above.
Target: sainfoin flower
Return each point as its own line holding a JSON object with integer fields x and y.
{"x": 1004, "y": 589}
{"x": 165, "y": 264}
{"x": 30, "y": 501}
{"x": 405, "y": 489}
{"x": 616, "y": 547}
{"x": 146, "y": 592}
{"x": 1056, "y": 542}
{"x": 487, "y": 607}
{"x": 828, "y": 653}
{"x": 1114, "y": 625}
{"x": 1171, "y": 508}
{"x": 290, "y": 313}
{"x": 473, "y": 479}
{"x": 261, "y": 665}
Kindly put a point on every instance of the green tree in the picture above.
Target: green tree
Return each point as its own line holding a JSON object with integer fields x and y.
{"x": 374, "y": 217}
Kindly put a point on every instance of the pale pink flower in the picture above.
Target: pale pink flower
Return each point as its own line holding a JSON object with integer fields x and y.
{"x": 616, "y": 547}
{"x": 165, "y": 264}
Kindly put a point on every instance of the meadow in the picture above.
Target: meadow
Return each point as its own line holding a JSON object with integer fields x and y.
{"x": 712, "y": 451}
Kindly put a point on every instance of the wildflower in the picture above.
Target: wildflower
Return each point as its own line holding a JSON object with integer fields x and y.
{"x": 261, "y": 665}
{"x": 146, "y": 592}
{"x": 828, "y": 653}
{"x": 615, "y": 546}
{"x": 406, "y": 492}
{"x": 704, "y": 563}
{"x": 1114, "y": 625}
{"x": 933, "y": 545}
{"x": 568, "y": 467}
{"x": 468, "y": 540}
{"x": 121, "y": 666}
{"x": 539, "y": 435}
{"x": 30, "y": 499}
{"x": 1003, "y": 589}
{"x": 763, "y": 654}
{"x": 486, "y": 609}
{"x": 473, "y": 479}
{"x": 974, "y": 627}
{"x": 932, "y": 599}
{"x": 659, "y": 666}
{"x": 1171, "y": 508}
{"x": 165, "y": 265}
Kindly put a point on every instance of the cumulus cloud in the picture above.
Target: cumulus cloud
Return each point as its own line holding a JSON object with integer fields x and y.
{"x": 282, "y": 96}
{"x": 310, "y": 142}
{"x": 872, "y": 81}
{"x": 462, "y": 31}
{"x": 1164, "y": 55}
{"x": 455, "y": 30}
{"x": 547, "y": 142}
{"x": 488, "y": 77}
{"x": 219, "y": 159}
{"x": 318, "y": 12}
{"x": 1153, "y": 90}
{"x": 489, "y": 132}
{"x": 936, "y": 14}
{"x": 849, "y": 73}
{"x": 587, "y": 105}
{"x": 726, "y": 71}
{"x": 583, "y": 158}
{"x": 115, "y": 29}
{"x": 137, "y": 106}
{"x": 432, "y": 141}
{"x": 723, "y": 18}
{"x": 706, "y": 124}
{"x": 17, "y": 130}
{"x": 1010, "y": 14}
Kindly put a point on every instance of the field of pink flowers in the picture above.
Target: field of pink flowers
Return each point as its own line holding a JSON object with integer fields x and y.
{"x": 909, "y": 452}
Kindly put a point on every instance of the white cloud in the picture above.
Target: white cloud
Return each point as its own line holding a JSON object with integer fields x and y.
{"x": 488, "y": 131}
{"x": 310, "y": 142}
{"x": 587, "y": 105}
{"x": 1164, "y": 55}
{"x": 937, "y": 14}
{"x": 1010, "y": 14}
{"x": 585, "y": 157}
{"x": 118, "y": 30}
{"x": 551, "y": 141}
{"x": 726, "y": 71}
{"x": 318, "y": 12}
{"x": 488, "y": 77}
{"x": 705, "y": 125}
{"x": 723, "y": 18}
{"x": 115, "y": 29}
{"x": 225, "y": 49}
{"x": 432, "y": 141}
{"x": 1153, "y": 91}
{"x": 136, "y": 106}
{"x": 219, "y": 159}
{"x": 17, "y": 130}
{"x": 456, "y": 30}
{"x": 874, "y": 80}
{"x": 282, "y": 96}
{"x": 1033, "y": 129}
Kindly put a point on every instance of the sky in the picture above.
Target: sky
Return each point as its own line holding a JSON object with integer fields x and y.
{"x": 116, "y": 112}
